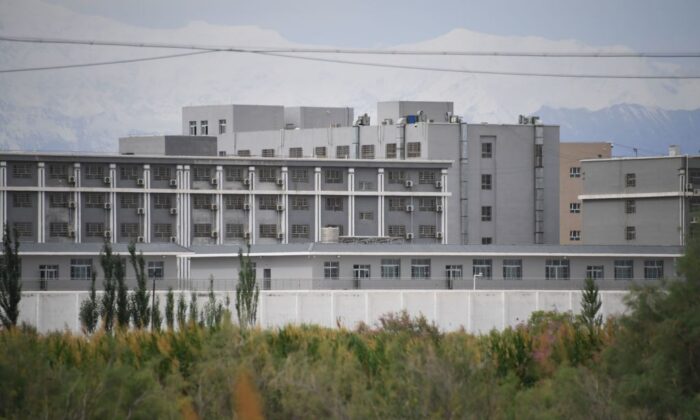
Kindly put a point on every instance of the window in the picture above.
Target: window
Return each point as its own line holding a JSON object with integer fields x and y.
{"x": 574, "y": 235}
{"x": 128, "y": 200}
{"x": 334, "y": 203}
{"x": 397, "y": 231}
{"x": 234, "y": 202}
{"x": 427, "y": 204}
{"x": 427, "y": 177}
{"x": 486, "y": 182}
{"x": 193, "y": 128}
{"x": 630, "y": 180}
{"x": 453, "y": 272}
{"x": 485, "y": 213}
{"x": 58, "y": 229}
{"x": 48, "y": 272}
{"x": 426, "y": 231}
{"x": 630, "y": 206}
{"x": 202, "y": 230}
{"x": 162, "y": 230}
{"x": 366, "y": 215}
{"x": 201, "y": 173}
{"x": 129, "y": 230}
{"x": 80, "y": 269}
{"x": 23, "y": 229}
{"x": 21, "y": 199}
{"x": 268, "y": 153}
{"x": 482, "y": 267}
{"x": 575, "y": 172}
{"x": 575, "y": 208}
{"x": 200, "y": 201}
{"x": 300, "y": 175}
{"x": 161, "y": 201}
{"x": 512, "y": 269}
{"x": 300, "y": 231}
{"x": 162, "y": 173}
{"x": 244, "y": 153}
{"x": 128, "y": 173}
{"x": 367, "y": 151}
{"x": 595, "y": 272}
{"x": 267, "y": 174}
{"x": 156, "y": 270}
{"x": 342, "y": 152}
{"x": 420, "y": 268}
{"x": 296, "y": 152}
{"x": 94, "y": 229}
{"x": 94, "y": 200}
{"x": 222, "y": 126}
{"x": 397, "y": 204}
{"x": 21, "y": 170}
{"x": 630, "y": 233}
{"x": 205, "y": 127}
{"x": 653, "y": 269}
{"x": 333, "y": 176}
{"x": 58, "y": 199}
{"x": 412, "y": 150}
{"x": 391, "y": 268}
{"x": 360, "y": 271}
{"x": 556, "y": 269}
{"x": 94, "y": 172}
{"x": 396, "y": 176}
{"x": 331, "y": 270}
{"x": 365, "y": 186}
{"x": 300, "y": 203}
{"x": 267, "y": 202}
{"x": 268, "y": 231}
{"x": 486, "y": 240}
{"x": 234, "y": 230}
{"x": 57, "y": 171}
{"x": 624, "y": 269}
{"x": 234, "y": 173}
{"x": 320, "y": 152}
{"x": 539, "y": 161}
{"x": 390, "y": 150}
{"x": 486, "y": 150}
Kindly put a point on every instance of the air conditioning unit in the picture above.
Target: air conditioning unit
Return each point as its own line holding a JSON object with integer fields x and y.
{"x": 173, "y": 211}
{"x": 280, "y": 182}
{"x": 71, "y": 233}
{"x": 246, "y": 182}
{"x": 280, "y": 207}
{"x": 108, "y": 206}
{"x": 280, "y": 236}
{"x": 438, "y": 184}
{"x": 213, "y": 207}
{"x": 438, "y": 235}
{"x": 246, "y": 206}
{"x": 214, "y": 234}
{"x": 409, "y": 208}
{"x": 139, "y": 239}
{"x": 71, "y": 180}
{"x": 71, "y": 204}
{"x": 438, "y": 208}
{"x": 689, "y": 187}
{"x": 108, "y": 233}
{"x": 173, "y": 239}
{"x": 214, "y": 181}
{"x": 408, "y": 183}
{"x": 173, "y": 183}
{"x": 409, "y": 235}
{"x": 107, "y": 180}
{"x": 140, "y": 210}
{"x": 140, "y": 182}
{"x": 246, "y": 235}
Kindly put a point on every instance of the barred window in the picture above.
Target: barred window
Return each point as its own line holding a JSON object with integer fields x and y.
{"x": 162, "y": 201}
{"x": 129, "y": 200}
{"x": 367, "y": 151}
{"x": 630, "y": 180}
{"x": 420, "y": 268}
{"x": 653, "y": 269}
{"x": 482, "y": 267}
{"x": 624, "y": 269}
{"x": 300, "y": 175}
{"x": 300, "y": 231}
{"x": 268, "y": 153}
{"x": 366, "y": 215}
{"x": 234, "y": 202}
{"x": 162, "y": 173}
{"x": 630, "y": 206}
{"x": 268, "y": 231}
{"x": 575, "y": 172}
{"x": 129, "y": 230}
{"x": 486, "y": 150}
{"x": 80, "y": 269}
{"x": 296, "y": 152}
{"x": 244, "y": 153}
{"x": 512, "y": 269}
{"x": 162, "y": 230}
{"x": 334, "y": 203}
{"x": 412, "y": 150}
{"x": 21, "y": 199}
{"x": 94, "y": 200}
{"x": 267, "y": 202}
{"x": 94, "y": 172}
{"x": 342, "y": 152}
{"x": 427, "y": 204}
{"x": 575, "y": 208}
{"x": 128, "y": 173}
{"x": 23, "y": 229}
{"x": 320, "y": 152}
{"x": 396, "y": 176}
{"x": 397, "y": 204}
{"x": 595, "y": 272}
{"x": 205, "y": 127}
{"x": 234, "y": 230}
{"x": 427, "y": 177}
{"x": 331, "y": 269}
{"x": 396, "y": 231}
{"x": 94, "y": 229}
{"x": 574, "y": 235}
{"x": 391, "y": 268}
{"x": 201, "y": 201}
{"x": 58, "y": 229}
{"x": 486, "y": 182}
{"x": 222, "y": 126}
{"x": 557, "y": 269}
{"x": 630, "y": 233}
{"x": 58, "y": 171}
{"x": 193, "y": 128}
{"x": 426, "y": 231}
{"x": 156, "y": 269}
{"x": 300, "y": 203}
{"x": 202, "y": 230}
{"x": 22, "y": 170}
{"x": 267, "y": 174}
{"x": 234, "y": 173}
{"x": 333, "y": 176}
{"x": 390, "y": 150}
{"x": 201, "y": 173}
{"x": 485, "y": 213}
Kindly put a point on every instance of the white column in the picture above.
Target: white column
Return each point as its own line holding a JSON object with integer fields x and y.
{"x": 317, "y": 203}
{"x": 220, "y": 228}
{"x": 113, "y": 200}
{"x": 351, "y": 202}
{"x": 180, "y": 206}
{"x": 187, "y": 208}
{"x": 443, "y": 202}
{"x": 77, "y": 221}
{"x": 380, "y": 202}
{"x": 147, "y": 203}
{"x": 284, "y": 214}
{"x": 41, "y": 203}
{"x": 3, "y": 198}
{"x": 252, "y": 205}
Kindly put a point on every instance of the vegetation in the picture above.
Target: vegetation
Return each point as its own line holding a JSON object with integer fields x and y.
{"x": 10, "y": 279}
{"x": 140, "y": 308}
{"x": 89, "y": 309}
{"x": 246, "y": 291}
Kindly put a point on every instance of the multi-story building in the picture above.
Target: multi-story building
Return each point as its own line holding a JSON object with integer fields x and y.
{"x": 571, "y": 185}
{"x": 640, "y": 200}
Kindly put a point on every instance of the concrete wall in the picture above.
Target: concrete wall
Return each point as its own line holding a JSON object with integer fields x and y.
{"x": 394, "y": 110}
{"x": 317, "y": 117}
{"x": 475, "y": 311}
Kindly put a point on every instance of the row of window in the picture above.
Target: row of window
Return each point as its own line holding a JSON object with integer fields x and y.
{"x": 204, "y": 127}
{"x": 81, "y": 269}
{"x": 630, "y": 178}
{"x": 630, "y": 207}
{"x": 555, "y": 269}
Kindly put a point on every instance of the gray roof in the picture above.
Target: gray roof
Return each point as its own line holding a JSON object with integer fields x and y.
{"x": 95, "y": 248}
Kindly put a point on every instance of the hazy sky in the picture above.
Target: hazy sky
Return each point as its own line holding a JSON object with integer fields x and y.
{"x": 640, "y": 24}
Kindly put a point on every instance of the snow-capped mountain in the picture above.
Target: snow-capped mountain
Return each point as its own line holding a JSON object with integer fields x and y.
{"x": 87, "y": 109}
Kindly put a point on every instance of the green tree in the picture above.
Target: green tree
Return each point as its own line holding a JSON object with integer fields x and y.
{"x": 246, "y": 291}
{"x": 109, "y": 285}
{"x": 140, "y": 308}
{"x": 157, "y": 317}
{"x": 194, "y": 310}
{"x": 89, "y": 309}
{"x": 181, "y": 311}
{"x": 170, "y": 309}
{"x": 213, "y": 310}
{"x": 590, "y": 305}
{"x": 10, "y": 280}
{"x": 123, "y": 312}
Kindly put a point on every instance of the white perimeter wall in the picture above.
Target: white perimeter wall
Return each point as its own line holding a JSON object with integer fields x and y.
{"x": 477, "y": 311}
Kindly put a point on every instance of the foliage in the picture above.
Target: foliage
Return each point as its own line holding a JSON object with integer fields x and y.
{"x": 246, "y": 291}
{"x": 170, "y": 309}
{"x": 194, "y": 309}
{"x": 109, "y": 298}
{"x": 213, "y": 310}
{"x": 89, "y": 309}
{"x": 181, "y": 311}
{"x": 123, "y": 307}
{"x": 157, "y": 320}
{"x": 590, "y": 305}
{"x": 10, "y": 279}
{"x": 140, "y": 308}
